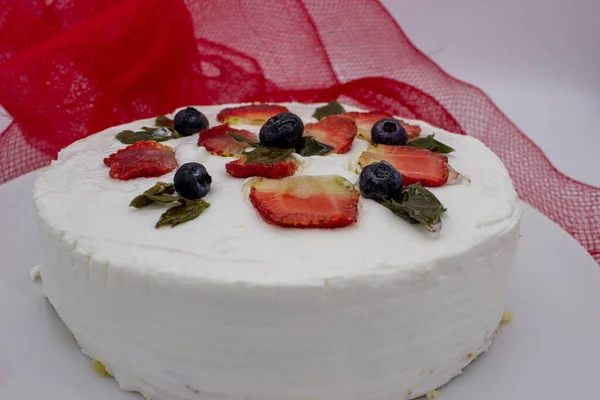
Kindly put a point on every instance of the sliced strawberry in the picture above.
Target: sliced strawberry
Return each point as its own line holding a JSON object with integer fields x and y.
{"x": 415, "y": 165}
{"x": 413, "y": 131}
{"x": 141, "y": 160}
{"x": 366, "y": 120}
{"x": 281, "y": 169}
{"x": 336, "y": 131}
{"x": 328, "y": 201}
{"x": 219, "y": 142}
{"x": 254, "y": 114}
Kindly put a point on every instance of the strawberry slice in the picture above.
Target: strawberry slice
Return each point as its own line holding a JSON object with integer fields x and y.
{"x": 217, "y": 141}
{"x": 254, "y": 114}
{"x": 413, "y": 131}
{"x": 415, "y": 165}
{"x": 366, "y": 120}
{"x": 141, "y": 160}
{"x": 336, "y": 131}
{"x": 328, "y": 201}
{"x": 280, "y": 169}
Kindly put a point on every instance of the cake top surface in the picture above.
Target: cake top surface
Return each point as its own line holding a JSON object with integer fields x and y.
{"x": 230, "y": 243}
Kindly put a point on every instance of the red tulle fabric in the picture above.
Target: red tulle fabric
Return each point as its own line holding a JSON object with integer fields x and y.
{"x": 73, "y": 67}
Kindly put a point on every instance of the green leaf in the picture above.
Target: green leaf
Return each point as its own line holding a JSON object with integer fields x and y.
{"x": 163, "y": 121}
{"x": 312, "y": 147}
{"x": 161, "y": 188}
{"x": 155, "y": 134}
{"x": 429, "y": 143}
{"x": 240, "y": 138}
{"x": 187, "y": 210}
{"x": 154, "y": 195}
{"x": 332, "y": 108}
{"x": 418, "y": 205}
{"x": 395, "y": 207}
{"x": 267, "y": 155}
{"x": 162, "y": 198}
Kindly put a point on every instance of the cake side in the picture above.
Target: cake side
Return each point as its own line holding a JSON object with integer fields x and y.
{"x": 271, "y": 314}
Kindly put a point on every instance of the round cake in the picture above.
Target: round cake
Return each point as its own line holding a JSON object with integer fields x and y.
{"x": 234, "y": 300}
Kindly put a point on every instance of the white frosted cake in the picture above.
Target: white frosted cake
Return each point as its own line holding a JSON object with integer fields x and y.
{"x": 237, "y": 304}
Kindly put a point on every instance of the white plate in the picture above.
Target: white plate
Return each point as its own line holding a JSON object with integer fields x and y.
{"x": 550, "y": 350}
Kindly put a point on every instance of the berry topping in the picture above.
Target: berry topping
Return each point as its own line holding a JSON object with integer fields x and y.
{"x": 413, "y": 131}
{"x": 255, "y": 114}
{"x": 189, "y": 121}
{"x": 335, "y": 131}
{"x": 306, "y": 201}
{"x": 366, "y": 120}
{"x": 141, "y": 160}
{"x": 389, "y": 131}
{"x": 415, "y": 165}
{"x": 218, "y": 141}
{"x": 283, "y": 131}
{"x": 380, "y": 181}
{"x": 242, "y": 169}
{"x": 192, "y": 181}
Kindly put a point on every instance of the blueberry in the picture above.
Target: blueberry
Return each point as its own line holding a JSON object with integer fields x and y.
{"x": 389, "y": 131}
{"x": 189, "y": 121}
{"x": 192, "y": 181}
{"x": 380, "y": 181}
{"x": 283, "y": 131}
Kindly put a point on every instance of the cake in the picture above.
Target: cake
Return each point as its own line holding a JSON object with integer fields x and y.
{"x": 233, "y": 305}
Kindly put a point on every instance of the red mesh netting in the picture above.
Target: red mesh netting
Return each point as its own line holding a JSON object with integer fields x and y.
{"x": 74, "y": 67}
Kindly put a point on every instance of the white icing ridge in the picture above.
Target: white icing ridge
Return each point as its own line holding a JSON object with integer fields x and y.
{"x": 229, "y": 307}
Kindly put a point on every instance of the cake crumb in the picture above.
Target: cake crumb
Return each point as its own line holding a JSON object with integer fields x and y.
{"x": 409, "y": 393}
{"x": 469, "y": 356}
{"x": 195, "y": 391}
{"x": 100, "y": 369}
{"x": 506, "y": 317}
{"x": 35, "y": 274}
{"x": 432, "y": 394}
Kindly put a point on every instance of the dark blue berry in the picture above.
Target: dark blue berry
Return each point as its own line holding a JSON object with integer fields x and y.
{"x": 389, "y": 131}
{"x": 283, "y": 131}
{"x": 380, "y": 181}
{"x": 192, "y": 181}
{"x": 189, "y": 121}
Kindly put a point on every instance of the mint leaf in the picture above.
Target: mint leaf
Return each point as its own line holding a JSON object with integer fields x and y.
{"x": 312, "y": 147}
{"x": 187, "y": 210}
{"x": 154, "y": 195}
{"x": 147, "y": 133}
{"x": 267, "y": 155}
{"x": 333, "y": 108}
{"x": 162, "y": 198}
{"x": 164, "y": 121}
{"x": 429, "y": 143}
{"x": 418, "y": 205}
{"x": 161, "y": 188}
{"x": 240, "y": 138}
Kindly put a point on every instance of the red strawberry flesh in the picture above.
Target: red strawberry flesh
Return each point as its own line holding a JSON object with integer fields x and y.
{"x": 336, "y": 131}
{"x": 217, "y": 141}
{"x": 141, "y": 160}
{"x": 254, "y": 114}
{"x": 415, "y": 165}
{"x": 281, "y": 169}
{"x": 413, "y": 131}
{"x": 306, "y": 201}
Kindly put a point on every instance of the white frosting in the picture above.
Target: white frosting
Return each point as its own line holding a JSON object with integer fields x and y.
{"x": 234, "y": 308}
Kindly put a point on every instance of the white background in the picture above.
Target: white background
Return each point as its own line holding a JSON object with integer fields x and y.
{"x": 539, "y": 60}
